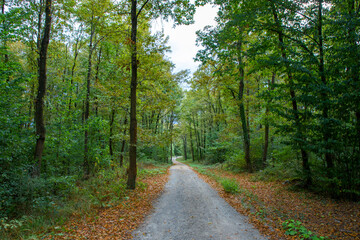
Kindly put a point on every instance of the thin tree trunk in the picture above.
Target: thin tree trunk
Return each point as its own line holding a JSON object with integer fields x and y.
{"x": 267, "y": 126}
{"x": 157, "y": 122}
{"x": 192, "y": 146}
{"x": 96, "y": 81}
{"x": 244, "y": 124}
{"x": 132, "y": 171}
{"x": 204, "y": 138}
{"x": 185, "y": 147}
{"x": 171, "y": 137}
{"x": 6, "y": 56}
{"x": 87, "y": 102}
{"x": 326, "y": 129}
{"x": 65, "y": 64}
{"x": 39, "y": 108}
{"x": 76, "y": 53}
{"x": 123, "y": 144}
{"x": 111, "y": 143}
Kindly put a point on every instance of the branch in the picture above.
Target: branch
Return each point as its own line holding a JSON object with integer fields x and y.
{"x": 142, "y": 7}
{"x": 301, "y": 44}
{"x": 232, "y": 92}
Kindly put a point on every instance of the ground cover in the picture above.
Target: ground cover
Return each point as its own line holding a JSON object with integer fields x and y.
{"x": 117, "y": 222}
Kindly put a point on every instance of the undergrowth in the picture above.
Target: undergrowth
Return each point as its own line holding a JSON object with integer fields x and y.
{"x": 104, "y": 190}
{"x": 295, "y": 228}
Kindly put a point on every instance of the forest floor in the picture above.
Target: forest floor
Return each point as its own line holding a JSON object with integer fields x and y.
{"x": 275, "y": 210}
{"x": 282, "y": 213}
{"x": 119, "y": 221}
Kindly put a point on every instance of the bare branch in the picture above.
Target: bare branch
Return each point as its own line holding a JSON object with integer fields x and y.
{"x": 142, "y": 7}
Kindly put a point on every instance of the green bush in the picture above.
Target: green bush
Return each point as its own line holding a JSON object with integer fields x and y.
{"x": 230, "y": 186}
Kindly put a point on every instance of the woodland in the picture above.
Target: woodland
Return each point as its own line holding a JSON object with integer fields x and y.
{"x": 87, "y": 93}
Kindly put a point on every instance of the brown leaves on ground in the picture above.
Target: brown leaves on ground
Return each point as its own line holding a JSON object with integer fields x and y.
{"x": 268, "y": 204}
{"x": 116, "y": 222}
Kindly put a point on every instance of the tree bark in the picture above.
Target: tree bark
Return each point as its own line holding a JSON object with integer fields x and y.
{"x": 132, "y": 171}
{"x": 87, "y": 103}
{"x": 240, "y": 99}
{"x": 42, "y": 78}
{"x": 111, "y": 143}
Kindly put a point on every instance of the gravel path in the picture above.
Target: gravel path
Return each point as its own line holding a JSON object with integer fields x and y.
{"x": 190, "y": 209}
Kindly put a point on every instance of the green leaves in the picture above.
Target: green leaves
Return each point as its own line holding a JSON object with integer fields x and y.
{"x": 230, "y": 186}
{"x": 294, "y": 228}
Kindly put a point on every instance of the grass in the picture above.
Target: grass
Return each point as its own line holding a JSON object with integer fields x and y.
{"x": 106, "y": 189}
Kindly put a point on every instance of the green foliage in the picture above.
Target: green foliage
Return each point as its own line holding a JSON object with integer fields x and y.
{"x": 230, "y": 186}
{"x": 217, "y": 153}
{"x": 51, "y": 201}
{"x": 295, "y": 228}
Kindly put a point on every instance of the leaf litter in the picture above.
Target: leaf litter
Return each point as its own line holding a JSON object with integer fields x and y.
{"x": 269, "y": 204}
{"x": 119, "y": 221}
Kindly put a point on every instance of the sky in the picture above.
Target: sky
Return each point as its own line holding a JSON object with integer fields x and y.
{"x": 182, "y": 39}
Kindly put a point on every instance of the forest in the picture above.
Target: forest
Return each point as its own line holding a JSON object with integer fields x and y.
{"x": 87, "y": 93}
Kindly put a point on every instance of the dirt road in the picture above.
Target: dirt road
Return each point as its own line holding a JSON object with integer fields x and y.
{"x": 191, "y": 209}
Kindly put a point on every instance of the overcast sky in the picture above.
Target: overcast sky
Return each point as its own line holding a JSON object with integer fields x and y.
{"x": 182, "y": 39}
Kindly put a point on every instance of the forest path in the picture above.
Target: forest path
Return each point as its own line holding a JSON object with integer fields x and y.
{"x": 191, "y": 209}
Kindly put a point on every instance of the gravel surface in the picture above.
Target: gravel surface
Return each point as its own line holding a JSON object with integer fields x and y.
{"x": 190, "y": 209}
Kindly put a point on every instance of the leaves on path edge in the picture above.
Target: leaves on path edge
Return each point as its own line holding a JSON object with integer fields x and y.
{"x": 116, "y": 222}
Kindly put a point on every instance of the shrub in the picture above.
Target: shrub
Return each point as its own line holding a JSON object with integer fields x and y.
{"x": 230, "y": 186}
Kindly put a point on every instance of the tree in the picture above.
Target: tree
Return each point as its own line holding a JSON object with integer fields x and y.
{"x": 165, "y": 8}
{"x": 39, "y": 107}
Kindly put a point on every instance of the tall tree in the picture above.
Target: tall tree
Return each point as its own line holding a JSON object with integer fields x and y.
{"x": 132, "y": 171}
{"x": 39, "y": 107}
{"x": 163, "y": 7}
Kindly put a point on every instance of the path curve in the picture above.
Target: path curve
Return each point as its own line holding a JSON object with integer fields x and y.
{"x": 190, "y": 209}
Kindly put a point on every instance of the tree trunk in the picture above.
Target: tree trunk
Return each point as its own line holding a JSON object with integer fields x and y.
{"x": 132, "y": 171}
{"x": 246, "y": 135}
{"x": 304, "y": 154}
{"x": 6, "y": 56}
{"x": 171, "y": 137}
{"x": 76, "y": 53}
{"x": 355, "y": 69}
{"x": 192, "y": 146}
{"x": 157, "y": 122}
{"x": 325, "y": 114}
{"x": 185, "y": 147}
{"x": 123, "y": 143}
{"x": 267, "y": 126}
{"x": 97, "y": 81}
{"x": 111, "y": 143}
{"x": 39, "y": 107}
{"x": 87, "y": 103}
